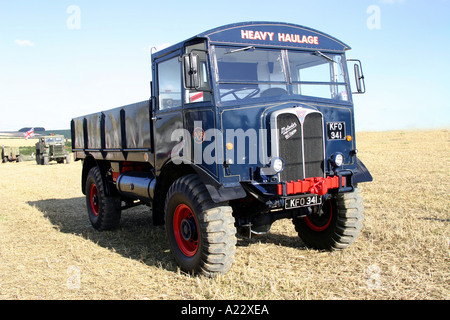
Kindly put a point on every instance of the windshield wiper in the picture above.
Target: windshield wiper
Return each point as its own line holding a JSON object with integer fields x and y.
{"x": 241, "y": 49}
{"x": 320, "y": 54}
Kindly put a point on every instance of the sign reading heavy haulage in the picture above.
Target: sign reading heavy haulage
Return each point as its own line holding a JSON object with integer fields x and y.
{"x": 282, "y": 37}
{"x": 260, "y": 33}
{"x": 247, "y": 124}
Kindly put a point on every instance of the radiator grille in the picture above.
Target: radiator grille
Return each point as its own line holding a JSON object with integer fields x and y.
{"x": 57, "y": 149}
{"x": 313, "y": 145}
{"x": 290, "y": 146}
{"x": 300, "y": 145}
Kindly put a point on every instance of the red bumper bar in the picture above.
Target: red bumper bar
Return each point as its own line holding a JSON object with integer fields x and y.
{"x": 317, "y": 185}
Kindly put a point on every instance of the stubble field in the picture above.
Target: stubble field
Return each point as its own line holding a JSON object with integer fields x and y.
{"x": 48, "y": 249}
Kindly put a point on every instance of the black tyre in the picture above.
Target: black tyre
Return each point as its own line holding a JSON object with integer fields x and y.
{"x": 104, "y": 212}
{"x": 336, "y": 225}
{"x": 201, "y": 233}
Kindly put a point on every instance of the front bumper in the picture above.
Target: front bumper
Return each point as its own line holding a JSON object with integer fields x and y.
{"x": 317, "y": 185}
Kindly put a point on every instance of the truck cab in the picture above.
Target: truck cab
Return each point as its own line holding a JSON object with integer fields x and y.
{"x": 247, "y": 124}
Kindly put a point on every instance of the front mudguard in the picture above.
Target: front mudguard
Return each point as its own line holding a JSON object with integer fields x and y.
{"x": 217, "y": 191}
{"x": 361, "y": 174}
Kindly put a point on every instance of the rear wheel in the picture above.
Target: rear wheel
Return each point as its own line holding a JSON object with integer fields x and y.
{"x": 336, "y": 225}
{"x": 201, "y": 233}
{"x": 104, "y": 211}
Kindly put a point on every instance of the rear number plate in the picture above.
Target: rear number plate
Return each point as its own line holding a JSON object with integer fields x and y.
{"x": 302, "y": 201}
{"x": 336, "y": 130}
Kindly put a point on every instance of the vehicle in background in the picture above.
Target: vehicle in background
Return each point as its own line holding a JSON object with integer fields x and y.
{"x": 11, "y": 154}
{"x": 51, "y": 148}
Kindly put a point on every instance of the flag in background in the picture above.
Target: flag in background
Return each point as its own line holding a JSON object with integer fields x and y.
{"x": 29, "y": 134}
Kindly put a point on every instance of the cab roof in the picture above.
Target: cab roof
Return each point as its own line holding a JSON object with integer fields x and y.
{"x": 267, "y": 34}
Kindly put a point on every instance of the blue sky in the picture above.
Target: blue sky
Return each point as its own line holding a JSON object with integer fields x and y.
{"x": 61, "y": 59}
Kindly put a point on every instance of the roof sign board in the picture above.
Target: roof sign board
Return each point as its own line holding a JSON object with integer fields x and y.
{"x": 274, "y": 34}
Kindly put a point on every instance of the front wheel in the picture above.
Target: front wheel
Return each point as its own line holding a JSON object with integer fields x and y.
{"x": 336, "y": 225}
{"x": 201, "y": 233}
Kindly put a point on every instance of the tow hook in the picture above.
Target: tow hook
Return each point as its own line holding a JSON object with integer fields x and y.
{"x": 319, "y": 187}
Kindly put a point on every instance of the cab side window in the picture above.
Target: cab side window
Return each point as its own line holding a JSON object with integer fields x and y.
{"x": 169, "y": 84}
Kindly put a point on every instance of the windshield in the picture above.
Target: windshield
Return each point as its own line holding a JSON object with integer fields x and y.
{"x": 318, "y": 75}
{"x": 53, "y": 140}
{"x": 245, "y": 73}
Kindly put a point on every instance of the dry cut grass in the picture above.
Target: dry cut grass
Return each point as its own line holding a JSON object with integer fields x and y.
{"x": 48, "y": 250}
{"x": 17, "y": 142}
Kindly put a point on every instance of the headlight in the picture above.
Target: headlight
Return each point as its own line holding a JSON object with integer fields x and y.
{"x": 337, "y": 159}
{"x": 278, "y": 165}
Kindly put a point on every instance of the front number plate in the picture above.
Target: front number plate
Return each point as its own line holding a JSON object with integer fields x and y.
{"x": 302, "y": 201}
{"x": 336, "y": 130}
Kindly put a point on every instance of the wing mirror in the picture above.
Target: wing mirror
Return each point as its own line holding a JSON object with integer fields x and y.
{"x": 359, "y": 77}
{"x": 191, "y": 68}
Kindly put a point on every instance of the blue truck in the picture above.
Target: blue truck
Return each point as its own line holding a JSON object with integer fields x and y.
{"x": 246, "y": 124}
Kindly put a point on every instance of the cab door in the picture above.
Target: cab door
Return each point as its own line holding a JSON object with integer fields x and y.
{"x": 203, "y": 145}
{"x": 167, "y": 107}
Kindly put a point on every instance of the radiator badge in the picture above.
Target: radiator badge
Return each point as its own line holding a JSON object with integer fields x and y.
{"x": 289, "y": 130}
{"x": 301, "y": 115}
{"x": 199, "y": 135}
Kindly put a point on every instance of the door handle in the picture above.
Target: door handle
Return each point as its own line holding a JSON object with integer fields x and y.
{"x": 155, "y": 118}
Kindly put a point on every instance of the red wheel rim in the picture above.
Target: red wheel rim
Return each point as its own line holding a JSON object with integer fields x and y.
{"x": 186, "y": 230}
{"x": 93, "y": 196}
{"x": 321, "y": 222}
